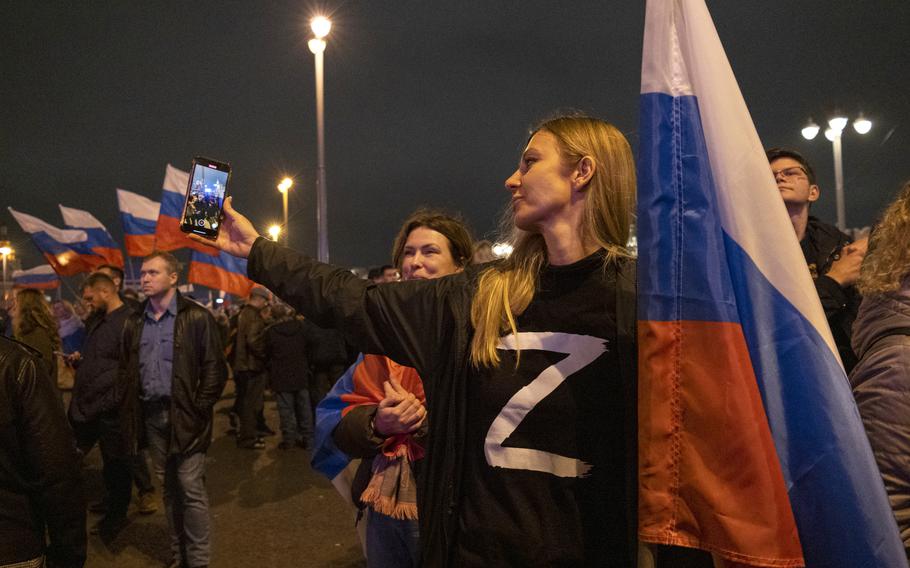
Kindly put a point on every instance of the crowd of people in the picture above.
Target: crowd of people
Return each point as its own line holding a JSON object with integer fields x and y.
{"x": 426, "y": 372}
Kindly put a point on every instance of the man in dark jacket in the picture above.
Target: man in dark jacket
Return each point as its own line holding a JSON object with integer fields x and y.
{"x": 289, "y": 377}
{"x": 833, "y": 260}
{"x": 40, "y": 490}
{"x": 138, "y": 463}
{"x": 173, "y": 372}
{"x": 249, "y": 367}
{"x": 94, "y": 410}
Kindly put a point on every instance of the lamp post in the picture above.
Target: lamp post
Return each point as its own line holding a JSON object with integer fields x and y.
{"x": 833, "y": 133}
{"x": 284, "y": 187}
{"x": 320, "y": 26}
{"x": 274, "y": 231}
{"x": 5, "y": 251}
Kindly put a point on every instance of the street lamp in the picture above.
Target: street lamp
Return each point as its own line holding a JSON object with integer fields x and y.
{"x": 5, "y": 251}
{"x": 274, "y": 231}
{"x": 320, "y": 26}
{"x": 833, "y": 133}
{"x": 284, "y": 187}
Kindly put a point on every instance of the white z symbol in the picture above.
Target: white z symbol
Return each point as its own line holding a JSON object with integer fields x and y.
{"x": 582, "y": 350}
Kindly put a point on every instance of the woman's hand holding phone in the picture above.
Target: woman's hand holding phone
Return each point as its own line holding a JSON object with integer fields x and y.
{"x": 236, "y": 236}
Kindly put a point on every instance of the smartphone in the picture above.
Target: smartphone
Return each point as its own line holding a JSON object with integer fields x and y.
{"x": 205, "y": 195}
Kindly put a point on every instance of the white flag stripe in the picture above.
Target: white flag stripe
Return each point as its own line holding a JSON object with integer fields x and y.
{"x": 32, "y": 224}
{"x": 80, "y": 218}
{"x": 741, "y": 174}
{"x": 176, "y": 180}
{"x": 137, "y": 205}
{"x": 40, "y": 270}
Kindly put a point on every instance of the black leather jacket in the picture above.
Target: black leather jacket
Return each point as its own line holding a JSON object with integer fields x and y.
{"x": 199, "y": 374}
{"x": 40, "y": 486}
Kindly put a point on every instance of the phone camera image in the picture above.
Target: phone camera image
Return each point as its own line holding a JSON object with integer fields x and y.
{"x": 206, "y": 193}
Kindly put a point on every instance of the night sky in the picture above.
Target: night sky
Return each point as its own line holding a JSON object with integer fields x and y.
{"x": 427, "y": 102}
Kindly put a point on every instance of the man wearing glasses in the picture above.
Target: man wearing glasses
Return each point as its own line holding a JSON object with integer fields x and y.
{"x": 834, "y": 261}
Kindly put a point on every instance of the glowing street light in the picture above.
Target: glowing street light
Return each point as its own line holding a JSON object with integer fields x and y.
{"x": 320, "y": 25}
{"x": 836, "y": 127}
{"x": 274, "y": 231}
{"x": 283, "y": 187}
{"x": 5, "y": 251}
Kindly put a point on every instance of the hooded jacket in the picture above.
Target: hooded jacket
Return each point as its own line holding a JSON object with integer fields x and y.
{"x": 426, "y": 324}
{"x": 199, "y": 374}
{"x": 881, "y": 387}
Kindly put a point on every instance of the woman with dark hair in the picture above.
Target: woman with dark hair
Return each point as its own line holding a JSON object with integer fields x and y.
{"x": 528, "y": 364}
{"x": 881, "y": 339}
{"x": 383, "y": 411}
{"x": 34, "y": 325}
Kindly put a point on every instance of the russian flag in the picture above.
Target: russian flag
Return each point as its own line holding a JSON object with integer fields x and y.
{"x": 168, "y": 235}
{"x": 221, "y": 272}
{"x": 750, "y": 444}
{"x": 99, "y": 241}
{"x": 328, "y": 459}
{"x": 41, "y": 277}
{"x": 139, "y": 216}
{"x": 59, "y": 246}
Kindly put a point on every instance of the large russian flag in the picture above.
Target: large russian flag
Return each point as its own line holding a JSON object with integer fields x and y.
{"x": 59, "y": 246}
{"x": 750, "y": 443}
{"x": 168, "y": 235}
{"x": 41, "y": 277}
{"x": 221, "y": 272}
{"x": 99, "y": 241}
{"x": 139, "y": 216}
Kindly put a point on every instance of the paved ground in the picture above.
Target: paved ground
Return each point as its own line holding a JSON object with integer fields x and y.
{"x": 268, "y": 509}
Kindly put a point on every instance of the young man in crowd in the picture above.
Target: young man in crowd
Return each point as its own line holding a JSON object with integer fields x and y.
{"x": 95, "y": 408}
{"x": 833, "y": 260}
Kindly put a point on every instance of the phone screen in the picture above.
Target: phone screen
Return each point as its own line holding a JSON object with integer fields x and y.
{"x": 205, "y": 196}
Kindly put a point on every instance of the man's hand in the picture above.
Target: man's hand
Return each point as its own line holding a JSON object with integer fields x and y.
{"x": 845, "y": 270}
{"x": 399, "y": 412}
{"x": 236, "y": 236}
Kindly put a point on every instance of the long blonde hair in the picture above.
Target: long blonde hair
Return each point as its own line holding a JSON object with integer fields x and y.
{"x": 887, "y": 263}
{"x": 505, "y": 290}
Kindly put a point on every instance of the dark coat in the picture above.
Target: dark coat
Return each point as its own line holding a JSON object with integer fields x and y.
{"x": 199, "y": 375}
{"x": 249, "y": 344}
{"x": 425, "y": 324}
{"x": 94, "y": 390}
{"x": 881, "y": 387}
{"x": 40, "y": 486}
{"x": 821, "y": 246}
{"x": 286, "y": 356}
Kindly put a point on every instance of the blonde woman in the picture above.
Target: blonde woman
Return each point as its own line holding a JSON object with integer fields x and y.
{"x": 528, "y": 364}
{"x": 881, "y": 339}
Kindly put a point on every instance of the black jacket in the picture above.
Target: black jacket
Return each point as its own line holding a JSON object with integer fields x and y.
{"x": 249, "y": 346}
{"x": 40, "y": 486}
{"x": 199, "y": 374}
{"x": 286, "y": 356}
{"x": 95, "y": 390}
{"x": 822, "y": 245}
{"x": 425, "y": 324}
